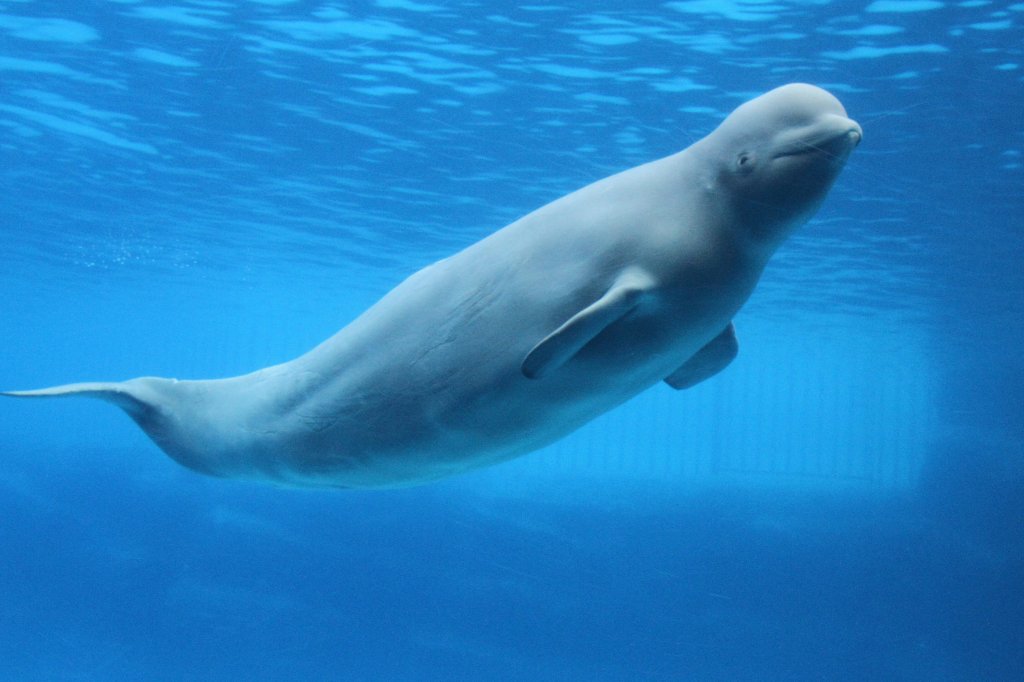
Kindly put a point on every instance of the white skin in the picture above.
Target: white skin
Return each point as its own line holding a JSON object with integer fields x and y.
{"x": 528, "y": 334}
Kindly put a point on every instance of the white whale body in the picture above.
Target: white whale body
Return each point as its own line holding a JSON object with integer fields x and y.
{"x": 526, "y": 335}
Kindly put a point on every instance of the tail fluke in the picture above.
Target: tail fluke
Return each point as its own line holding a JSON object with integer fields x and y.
{"x": 154, "y": 404}
{"x": 136, "y": 397}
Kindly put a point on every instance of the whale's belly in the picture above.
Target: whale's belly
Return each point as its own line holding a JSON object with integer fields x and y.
{"x": 429, "y": 382}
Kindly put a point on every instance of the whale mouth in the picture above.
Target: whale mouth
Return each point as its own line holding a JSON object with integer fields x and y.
{"x": 834, "y": 143}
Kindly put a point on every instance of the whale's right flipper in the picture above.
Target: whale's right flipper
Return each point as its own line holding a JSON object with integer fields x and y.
{"x": 707, "y": 362}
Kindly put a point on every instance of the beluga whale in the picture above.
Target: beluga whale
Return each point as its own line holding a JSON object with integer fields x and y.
{"x": 526, "y": 335}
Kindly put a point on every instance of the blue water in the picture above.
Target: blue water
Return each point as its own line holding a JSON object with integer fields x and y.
{"x": 199, "y": 189}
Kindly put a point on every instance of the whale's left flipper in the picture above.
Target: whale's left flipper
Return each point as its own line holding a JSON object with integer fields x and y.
{"x": 707, "y": 362}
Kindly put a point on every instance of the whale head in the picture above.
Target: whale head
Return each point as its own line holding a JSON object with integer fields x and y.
{"x": 776, "y": 156}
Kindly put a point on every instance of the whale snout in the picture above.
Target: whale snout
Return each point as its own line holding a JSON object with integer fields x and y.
{"x": 852, "y": 131}
{"x": 845, "y": 141}
{"x": 833, "y": 136}
{"x": 855, "y": 133}
{"x": 842, "y": 139}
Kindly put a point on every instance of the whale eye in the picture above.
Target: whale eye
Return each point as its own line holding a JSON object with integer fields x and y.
{"x": 745, "y": 162}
